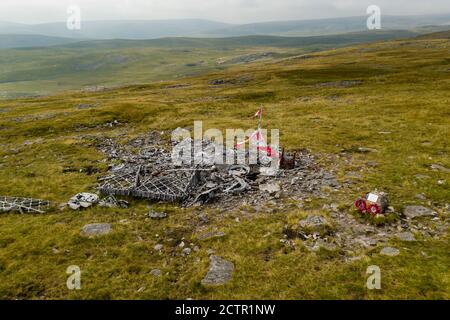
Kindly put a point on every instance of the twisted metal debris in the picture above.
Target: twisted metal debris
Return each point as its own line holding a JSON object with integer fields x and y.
{"x": 23, "y": 205}
{"x": 143, "y": 168}
{"x": 170, "y": 185}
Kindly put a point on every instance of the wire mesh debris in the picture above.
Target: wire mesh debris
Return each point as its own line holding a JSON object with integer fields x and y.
{"x": 169, "y": 185}
{"x": 23, "y": 205}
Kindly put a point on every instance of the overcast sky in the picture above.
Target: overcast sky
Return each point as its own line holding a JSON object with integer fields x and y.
{"x": 232, "y": 11}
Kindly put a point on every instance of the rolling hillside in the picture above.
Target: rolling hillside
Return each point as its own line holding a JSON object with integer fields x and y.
{"x": 375, "y": 116}
{"x": 41, "y": 71}
{"x": 8, "y": 41}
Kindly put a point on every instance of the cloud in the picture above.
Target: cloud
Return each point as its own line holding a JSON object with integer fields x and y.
{"x": 237, "y": 11}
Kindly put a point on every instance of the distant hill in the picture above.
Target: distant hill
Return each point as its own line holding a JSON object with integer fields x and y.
{"x": 135, "y": 29}
{"x": 249, "y": 41}
{"x": 329, "y": 26}
{"x": 153, "y": 29}
{"x": 8, "y": 41}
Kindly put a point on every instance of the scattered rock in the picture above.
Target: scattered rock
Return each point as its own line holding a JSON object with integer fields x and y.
{"x": 341, "y": 84}
{"x": 320, "y": 243}
{"x": 391, "y": 252}
{"x": 372, "y": 164}
{"x": 366, "y": 150}
{"x": 406, "y": 236}
{"x": 96, "y": 229}
{"x": 421, "y": 196}
{"x": 413, "y": 212}
{"x": 158, "y": 247}
{"x": 270, "y": 188}
{"x": 155, "y": 272}
{"x": 219, "y": 273}
{"x": 210, "y": 235}
{"x": 82, "y": 106}
{"x": 438, "y": 167}
{"x": 246, "y": 58}
{"x": 314, "y": 225}
{"x": 187, "y": 251}
{"x": 157, "y": 215}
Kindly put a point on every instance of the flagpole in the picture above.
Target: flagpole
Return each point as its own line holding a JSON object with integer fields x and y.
{"x": 260, "y": 118}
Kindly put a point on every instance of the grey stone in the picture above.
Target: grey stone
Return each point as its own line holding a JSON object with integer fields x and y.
{"x": 418, "y": 211}
{"x": 366, "y": 150}
{"x": 155, "y": 272}
{"x": 157, "y": 215}
{"x": 270, "y": 188}
{"x": 391, "y": 252}
{"x": 158, "y": 247}
{"x": 220, "y": 271}
{"x": 372, "y": 164}
{"x": 96, "y": 229}
{"x": 406, "y": 236}
{"x": 187, "y": 251}
{"x": 314, "y": 224}
{"x": 321, "y": 244}
{"x": 438, "y": 167}
{"x": 421, "y": 196}
{"x": 210, "y": 235}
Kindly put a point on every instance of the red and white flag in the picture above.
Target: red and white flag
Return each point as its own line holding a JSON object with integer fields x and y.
{"x": 258, "y": 114}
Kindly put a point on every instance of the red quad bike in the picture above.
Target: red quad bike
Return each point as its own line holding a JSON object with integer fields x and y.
{"x": 372, "y": 203}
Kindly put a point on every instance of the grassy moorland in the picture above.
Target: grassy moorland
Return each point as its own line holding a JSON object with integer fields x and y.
{"x": 38, "y": 71}
{"x": 392, "y": 97}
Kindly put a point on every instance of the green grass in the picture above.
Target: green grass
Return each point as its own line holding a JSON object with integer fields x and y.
{"x": 404, "y": 91}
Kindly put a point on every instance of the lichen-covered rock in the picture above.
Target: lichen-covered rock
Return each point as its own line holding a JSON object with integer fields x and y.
{"x": 155, "y": 272}
{"x": 157, "y": 215}
{"x": 320, "y": 244}
{"x": 406, "y": 236}
{"x": 391, "y": 252}
{"x": 413, "y": 212}
{"x": 96, "y": 229}
{"x": 317, "y": 225}
{"x": 220, "y": 271}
